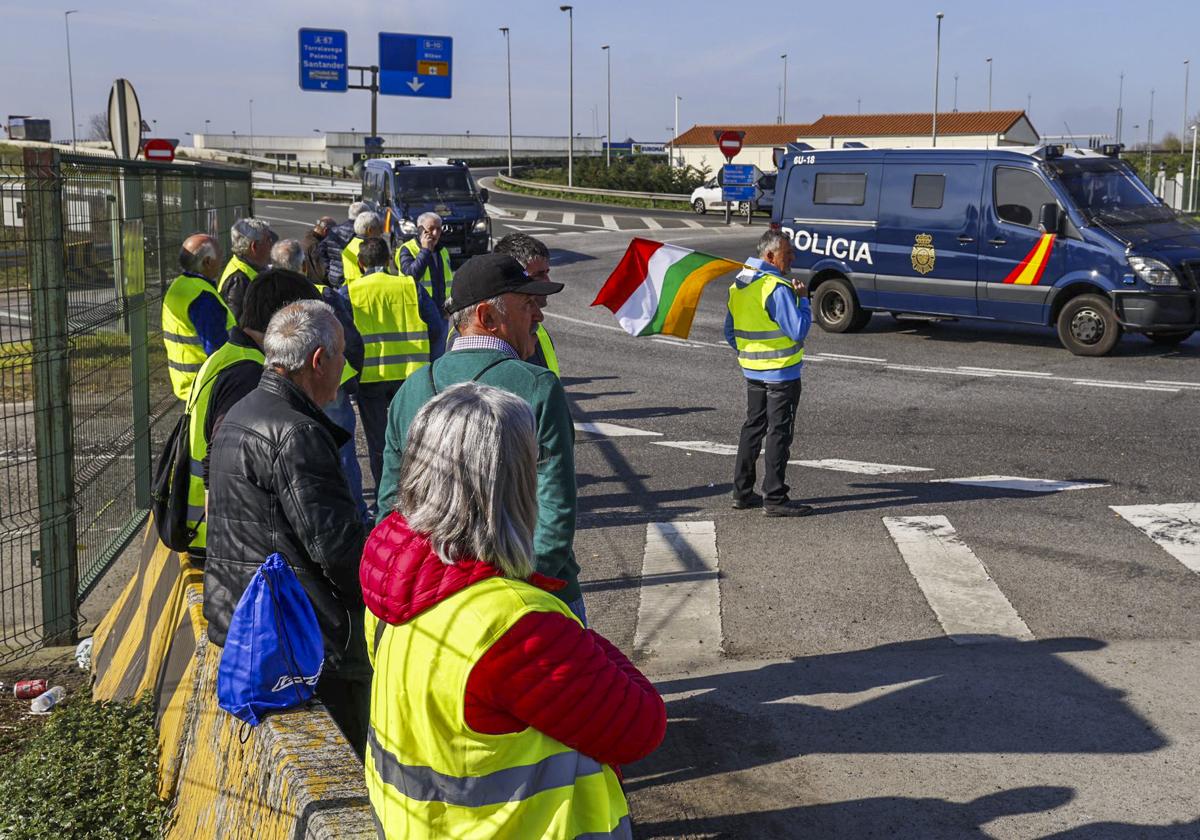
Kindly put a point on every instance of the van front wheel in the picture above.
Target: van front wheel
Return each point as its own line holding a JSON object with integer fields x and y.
{"x": 836, "y": 310}
{"x": 1087, "y": 326}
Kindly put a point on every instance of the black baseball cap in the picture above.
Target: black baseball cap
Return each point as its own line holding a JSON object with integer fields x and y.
{"x": 491, "y": 275}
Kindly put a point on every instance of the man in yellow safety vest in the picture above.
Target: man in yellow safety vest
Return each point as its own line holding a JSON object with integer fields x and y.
{"x": 367, "y": 224}
{"x": 195, "y": 320}
{"x": 424, "y": 259}
{"x": 768, "y": 319}
{"x": 251, "y": 241}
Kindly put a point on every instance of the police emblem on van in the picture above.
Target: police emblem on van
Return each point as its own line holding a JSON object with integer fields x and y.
{"x": 923, "y": 254}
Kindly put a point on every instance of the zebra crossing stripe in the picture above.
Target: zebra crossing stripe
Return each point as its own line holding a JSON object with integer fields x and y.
{"x": 967, "y": 602}
{"x": 692, "y": 223}
{"x": 609, "y": 222}
{"x": 679, "y": 609}
{"x": 699, "y": 446}
{"x": 613, "y": 430}
{"x": 568, "y": 218}
{"x": 1175, "y": 527}
{"x": 1012, "y": 482}
{"x": 531, "y": 215}
{"x": 861, "y": 467}
{"x": 651, "y": 224}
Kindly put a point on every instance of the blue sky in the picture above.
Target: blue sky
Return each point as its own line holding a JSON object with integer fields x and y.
{"x": 190, "y": 62}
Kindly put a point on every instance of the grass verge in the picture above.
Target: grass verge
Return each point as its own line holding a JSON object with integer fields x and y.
{"x": 615, "y": 201}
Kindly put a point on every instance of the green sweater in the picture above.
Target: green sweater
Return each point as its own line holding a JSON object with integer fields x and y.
{"x": 555, "y": 533}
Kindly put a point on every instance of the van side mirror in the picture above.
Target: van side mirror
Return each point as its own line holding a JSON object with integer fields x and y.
{"x": 1050, "y": 218}
{"x": 483, "y": 194}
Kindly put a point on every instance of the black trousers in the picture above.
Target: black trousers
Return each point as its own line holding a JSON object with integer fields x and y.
{"x": 770, "y": 414}
{"x": 345, "y": 690}
{"x": 373, "y": 401}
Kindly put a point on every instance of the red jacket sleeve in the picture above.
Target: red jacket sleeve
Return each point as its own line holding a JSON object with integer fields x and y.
{"x": 572, "y": 684}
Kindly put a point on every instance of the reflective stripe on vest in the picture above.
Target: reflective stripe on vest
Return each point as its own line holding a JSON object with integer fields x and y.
{"x": 430, "y": 775}
{"x": 761, "y": 344}
{"x": 548, "y": 352}
{"x": 350, "y": 269}
{"x": 185, "y": 348}
{"x": 236, "y": 264}
{"x": 426, "y": 279}
{"x": 387, "y": 314}
{"x": 198, "y": 404}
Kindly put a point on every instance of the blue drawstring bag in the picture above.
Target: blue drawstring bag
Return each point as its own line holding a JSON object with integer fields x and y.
{"x": 274, "y": 650}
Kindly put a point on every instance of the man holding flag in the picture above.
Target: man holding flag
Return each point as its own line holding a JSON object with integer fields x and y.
{"x": 768, "y": 319}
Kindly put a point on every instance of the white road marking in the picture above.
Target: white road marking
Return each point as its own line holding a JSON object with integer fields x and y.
{"x": 16, "y": 316}
{"x": 1175, "y": 527}
{"x": 926, "y": 369}
{"x": 531, "y": 215}
{"x": 1095, "y": 383}
{"x": 493, "y": 210}
{"x": 706, "y": 446}
{"x": 609, "y": 222}
{"x": 967, "y": 602}
{"x": 568, "y": 218}
{"x": 841, "y": 700}
{"x": 1177, "y": 384}
{"x": 1012, "y": 482}
{"x": 651, "y": 224}
{"x": 308, "y": 223}
{"x": 583, "y": 322}
{"x": 527, "y": 229}
{"x": 1005, "y": 372}
{"x": 692, "y": 223}
{"x": 829, "y": 355}
{"x": 613, "y": 430}
{"x": 679, "y": 609}
{"x": 861, "y": 467}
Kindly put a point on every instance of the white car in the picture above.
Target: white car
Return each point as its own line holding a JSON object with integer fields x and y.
{"x": 707, "y": 195}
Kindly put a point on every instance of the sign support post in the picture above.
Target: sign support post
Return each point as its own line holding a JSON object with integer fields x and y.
{"x": 373, "y": 87}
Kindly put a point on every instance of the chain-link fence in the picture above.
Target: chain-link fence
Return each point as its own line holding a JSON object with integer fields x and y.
{"x": 88, "y": 245}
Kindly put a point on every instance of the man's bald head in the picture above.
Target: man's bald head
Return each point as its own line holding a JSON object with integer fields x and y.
{"x": 201, "y": 254}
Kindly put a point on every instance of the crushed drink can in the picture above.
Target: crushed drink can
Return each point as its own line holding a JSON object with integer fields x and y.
{"x": 29, "y": 689}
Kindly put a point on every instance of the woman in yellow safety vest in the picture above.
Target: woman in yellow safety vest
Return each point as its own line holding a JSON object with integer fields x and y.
{"x": 494, "y": 713}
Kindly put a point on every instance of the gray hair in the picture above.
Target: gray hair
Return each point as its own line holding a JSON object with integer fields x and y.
{"x": 296, "y": 331}
{"x": 246, "y": 232}
{"x": 468, "y": 479}
{"x": 289, "y": 254}
{"x": 522, "y": 247}
{"x": 771, "y": 240}
{"x": 460, "y": 319}
{"x": 358, "y": 207}
{"x": 193, "y": 262}
{"x": 429, "y": 216}
{"x": 368, "y": 223}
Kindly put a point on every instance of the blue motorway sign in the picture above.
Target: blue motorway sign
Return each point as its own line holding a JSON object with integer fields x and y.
{"x": 739, "y": 175}
{"x": 739, "y": 192}
{"x": 415, "y": 65}
{"x": 323, "y": 60}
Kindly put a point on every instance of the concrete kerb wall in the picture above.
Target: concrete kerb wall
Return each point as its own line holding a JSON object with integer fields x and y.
{"x": 293, "y": 777}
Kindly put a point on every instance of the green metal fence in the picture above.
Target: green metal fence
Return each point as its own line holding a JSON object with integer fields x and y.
{"x": 88, "y": 245}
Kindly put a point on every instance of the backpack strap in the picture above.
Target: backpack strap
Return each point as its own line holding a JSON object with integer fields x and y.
{"x": 433, "y": 385}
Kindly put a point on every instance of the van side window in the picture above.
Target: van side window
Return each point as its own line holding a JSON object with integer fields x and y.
{"x": 928, "y": 191}
{"x": 840, "y": 188}
{"x": 1019, "y": 195}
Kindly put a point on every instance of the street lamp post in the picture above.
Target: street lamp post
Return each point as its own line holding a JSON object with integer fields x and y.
{"x": 1150, "y": 134}
{"x": 1120, "y": 109}
{"x": 1192, "y": 187}
{"x": 508, "y": 64}
{"x": 1183, "y": 125}
{"x": 251, "y": 126}
{"x": 937, "y": 69}
{"x": 955, "y": 107}
{"x": 571, "y": 93}
{"x": 783, "y": 108}
{"x": 71, "y": 75}
{"x": 677, "y": 98}
{"x": 608, "y": 145}
{"x": 989, "y": 64}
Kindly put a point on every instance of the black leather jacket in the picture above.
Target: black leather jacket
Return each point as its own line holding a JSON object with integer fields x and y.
{"x": 275, "y": 484}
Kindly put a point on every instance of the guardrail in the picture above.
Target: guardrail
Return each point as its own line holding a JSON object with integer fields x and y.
{"x": 649, "y": 196}
{"x": 276, "y": 182}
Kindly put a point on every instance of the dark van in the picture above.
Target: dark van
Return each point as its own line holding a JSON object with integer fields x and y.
{"x": 406, "y": 188}
{"x": 1067, "y": 238}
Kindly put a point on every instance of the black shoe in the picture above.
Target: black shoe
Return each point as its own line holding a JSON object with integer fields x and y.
{"x": 752, "y": 501}
{"x": 788, "y": 508}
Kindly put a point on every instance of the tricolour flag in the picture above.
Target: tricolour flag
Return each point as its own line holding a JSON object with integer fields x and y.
{"x": 656, "y": 287}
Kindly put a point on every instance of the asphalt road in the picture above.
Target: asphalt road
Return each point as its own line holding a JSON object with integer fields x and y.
{"x": 923, "y": 657}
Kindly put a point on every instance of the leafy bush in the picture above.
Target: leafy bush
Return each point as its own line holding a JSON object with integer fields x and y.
{"x": 638, "y": 173}
{"x": 91, "y": 772}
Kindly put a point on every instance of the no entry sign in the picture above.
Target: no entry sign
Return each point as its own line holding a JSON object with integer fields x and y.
{"x": 159, "y": 149}
{"x": 729, "y": 142}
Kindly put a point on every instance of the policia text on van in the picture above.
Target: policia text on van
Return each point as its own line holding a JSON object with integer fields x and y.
{"x": 1066, "y": 238}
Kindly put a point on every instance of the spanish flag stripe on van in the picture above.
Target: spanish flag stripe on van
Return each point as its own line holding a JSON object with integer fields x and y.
{"x": 1029, "y": 271}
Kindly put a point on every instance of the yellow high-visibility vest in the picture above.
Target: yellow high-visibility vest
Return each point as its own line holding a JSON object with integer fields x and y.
{"x": 185, "y": 348}
{"x": 429, "y": 775}
{"x": 761, "y": 344}
{"x": 198, "y": 404}
{"x": 350, "y": 269}
{"x": 387, "y": 314}
{"x": 236, "y": 263}
{"x": 426, "y": 279}
{"x": 548, "y": 351}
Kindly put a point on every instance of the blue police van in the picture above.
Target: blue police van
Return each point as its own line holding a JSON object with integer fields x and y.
{"x": 1066, "y": 238}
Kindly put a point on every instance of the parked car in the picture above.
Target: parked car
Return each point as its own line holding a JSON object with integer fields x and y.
{"x": 708, "y": 196}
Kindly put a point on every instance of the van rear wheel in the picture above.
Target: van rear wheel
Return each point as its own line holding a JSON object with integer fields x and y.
{"x": 1087, "y": 326}
{"x": 836, "y": 309}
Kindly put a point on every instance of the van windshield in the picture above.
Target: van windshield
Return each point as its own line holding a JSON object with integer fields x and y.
{"x": 429, "y": 184}
{"x": 1107, "y": 191}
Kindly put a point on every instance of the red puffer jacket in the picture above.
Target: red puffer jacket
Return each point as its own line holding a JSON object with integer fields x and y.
{"x": 546, "y": 671}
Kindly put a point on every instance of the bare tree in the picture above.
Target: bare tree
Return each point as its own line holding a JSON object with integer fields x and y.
{"x": 97, "y": 127}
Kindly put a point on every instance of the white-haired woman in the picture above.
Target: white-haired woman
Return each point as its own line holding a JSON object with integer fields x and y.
{"x": 494, "y": 713}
